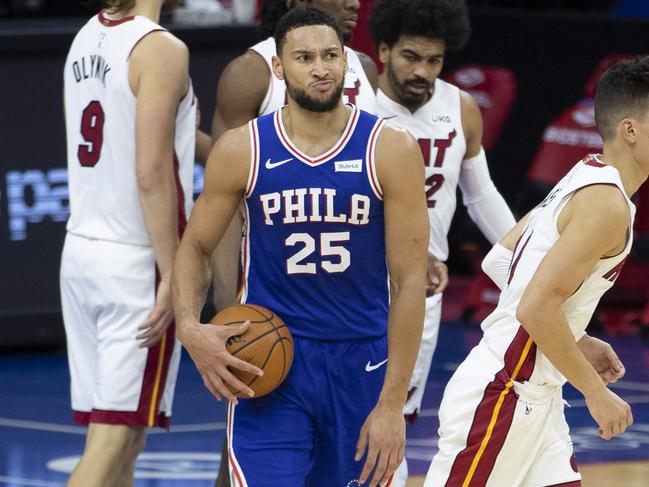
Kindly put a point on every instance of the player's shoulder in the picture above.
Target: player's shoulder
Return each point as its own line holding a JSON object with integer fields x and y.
{"x": 366, "y": 63}
{"x": 393, "y": 133}
{"x": 394, "y": 142}
{"x": 468, "y": 104}
{"x": 247, "y": 73}
{"x": 236, "y": 140}
{"x": 250, "y": 63}
{"x": 161, "y": 46}
{"x": 603, "y": 199}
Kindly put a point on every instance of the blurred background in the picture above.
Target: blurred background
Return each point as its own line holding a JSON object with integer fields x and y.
{"x": 532, "y": 67}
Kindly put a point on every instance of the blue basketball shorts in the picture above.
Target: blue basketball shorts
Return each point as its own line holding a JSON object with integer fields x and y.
{"x": 305, "y": 432}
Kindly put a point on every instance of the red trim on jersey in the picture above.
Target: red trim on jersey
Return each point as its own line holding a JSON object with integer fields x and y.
{"x": 512, "y": 269}
{"x": 255, "y": 158}
{"x": 110, "y": 22}
{"x": 591, "y": 161}
{"x": 374, "y": 180}
{"x": 493, "y": 416}
{"x": 117, "y": 417}
{"x": 155, "y": 373}
{"x": 331, "y": 153}
{"x": 513, "y": 367}
{"x": 243, "y": 283}
{"x": 574, "y": 483}
{"x": 492, "y": 420}
{"x": 231, "y": 458}
{"x": 81, "y": 417}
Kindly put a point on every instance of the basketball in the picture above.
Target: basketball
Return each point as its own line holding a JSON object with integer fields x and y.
{"x": 267, "y": 344}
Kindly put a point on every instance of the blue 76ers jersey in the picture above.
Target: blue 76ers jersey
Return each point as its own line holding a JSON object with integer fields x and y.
{"x": 314, "y": 246}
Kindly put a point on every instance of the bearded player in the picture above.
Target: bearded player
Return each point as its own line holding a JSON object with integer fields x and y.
{"x": 412, "y": 39}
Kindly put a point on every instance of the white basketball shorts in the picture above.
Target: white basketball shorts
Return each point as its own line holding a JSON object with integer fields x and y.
{"x": 496, "y": 432}
{"x": 107, "y": 291}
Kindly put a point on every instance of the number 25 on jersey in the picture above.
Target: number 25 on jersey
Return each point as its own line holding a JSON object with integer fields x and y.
{"x": 299, "y": 263}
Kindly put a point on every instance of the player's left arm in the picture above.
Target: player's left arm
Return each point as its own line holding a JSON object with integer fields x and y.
{"x": 400, "y": 169}
{"x": 158, "y": 83}
{"x": 370, "y": 69}
{"x": 585, "y": 237}
{"x": 485, "y": 205}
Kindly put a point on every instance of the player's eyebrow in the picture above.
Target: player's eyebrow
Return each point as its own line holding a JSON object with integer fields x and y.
{"x": 405, "y": 50}
{"x": 302, "y": 50}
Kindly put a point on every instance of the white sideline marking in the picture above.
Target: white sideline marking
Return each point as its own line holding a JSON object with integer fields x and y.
{"x": 218, "y": 426}
{"x": 40, "y": 426}
{"x": 34, "y": 483}
{"x": 188, "y": 428}
{"x": 81, "y": 430}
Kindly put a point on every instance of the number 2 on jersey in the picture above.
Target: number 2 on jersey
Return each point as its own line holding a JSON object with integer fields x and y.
{"x": 435, "y": 181}
{"x": 294, "y": 264}
{"x": 92, "y": 131}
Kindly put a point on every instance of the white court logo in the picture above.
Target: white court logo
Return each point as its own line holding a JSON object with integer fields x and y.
{"x": 159, "y": 465}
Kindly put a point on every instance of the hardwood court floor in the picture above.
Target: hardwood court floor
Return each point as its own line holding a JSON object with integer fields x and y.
{"x": 621, "y": 474}
{"x": 39, "y": 446}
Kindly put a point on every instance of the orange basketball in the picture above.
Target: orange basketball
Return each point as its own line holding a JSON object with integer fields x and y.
{"x": 267, "y": 344}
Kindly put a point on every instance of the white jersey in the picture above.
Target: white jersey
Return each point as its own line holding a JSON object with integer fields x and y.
{"x": 503, "y": 334}
{"x": 357, "y": 89}
{"x": 100, "y": 123}
{"x": 437, "y": 126}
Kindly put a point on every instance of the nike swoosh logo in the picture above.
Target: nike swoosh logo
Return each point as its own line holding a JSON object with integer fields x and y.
{"x": 369, "y": 367}
{"x": 388, "y": 118}
{"x": 272, "y": 165}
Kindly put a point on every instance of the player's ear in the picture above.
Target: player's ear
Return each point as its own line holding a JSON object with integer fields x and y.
{"x": 384, "y": 52}
{"x": 346, "y": 61}
{"x": 278, "y": 71}
{"x": 627, "y": 129}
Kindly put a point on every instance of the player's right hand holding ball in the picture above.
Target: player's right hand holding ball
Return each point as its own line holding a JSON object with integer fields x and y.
{"x": 612, "y": 413}
{"x": 206, "y": 345}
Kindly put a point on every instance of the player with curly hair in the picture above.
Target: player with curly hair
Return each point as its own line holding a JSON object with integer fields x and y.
{"x": 412, "y": 39}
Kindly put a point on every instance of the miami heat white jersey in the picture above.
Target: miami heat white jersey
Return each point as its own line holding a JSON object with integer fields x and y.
{"x": 100, "y": 123}
{"x": 501, "y": 329}
{"x": 357, "y": 89}
{"x": 437, "y": 126}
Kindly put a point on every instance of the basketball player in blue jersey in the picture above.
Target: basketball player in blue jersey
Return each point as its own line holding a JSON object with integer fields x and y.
{"x": 334, "y": 205}
{"x": 247, "y": 89}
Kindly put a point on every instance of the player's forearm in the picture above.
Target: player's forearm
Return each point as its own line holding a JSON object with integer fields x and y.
{"x": 189, "y": 284}
{"x": 492, "y": 216}
{"x": 548, "y": 328}
{"x": 485, "y": 205}
{"x": 159, "y": 202}
{"x": 405, "y": 324}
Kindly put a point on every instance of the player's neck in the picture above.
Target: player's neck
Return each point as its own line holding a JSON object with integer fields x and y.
{"x": 146, "y": 8}
{"x": 386, "y": 88}
{"x": 631, "y": 171}
{"x": 305, "y": 126}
